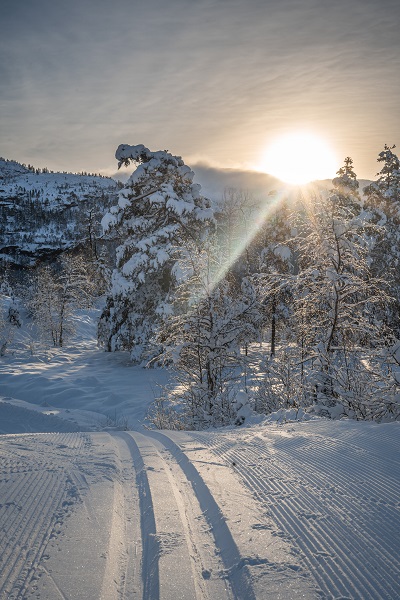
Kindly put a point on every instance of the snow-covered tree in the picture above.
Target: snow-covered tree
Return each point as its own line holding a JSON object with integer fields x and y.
{"x": 55, "y": 292}
{"x": 204, "y": 343}
{"x": 10, "y": 319}
{"x": 333, "y": 306}
{"x": 236, "y": 216}
{"x": 383, "y": 202}
{"x": 335, "y": 292}
{"x": 276, "y": 261}
{"x": 159, "y": 210}
{"x": 346, "y": 186}
{"x": 386, "y": 190}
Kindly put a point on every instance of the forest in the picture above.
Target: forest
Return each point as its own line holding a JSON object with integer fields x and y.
{"x": 251, "y": 305}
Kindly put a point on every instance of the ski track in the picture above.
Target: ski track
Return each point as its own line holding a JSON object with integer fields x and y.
{"x": 174, "y": 528}
{"x": 166, "y": 535}
{"x": 327, "y": 494}
{"x": 344, "y": 521}
{"x": 148, "y": 567}
{"x": 183, "y": 522}
{"x": 223, "y": 541}
{"x": 39, "y": 488}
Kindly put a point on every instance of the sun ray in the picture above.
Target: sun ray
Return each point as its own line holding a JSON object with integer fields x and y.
{"x": 264, "y": 213}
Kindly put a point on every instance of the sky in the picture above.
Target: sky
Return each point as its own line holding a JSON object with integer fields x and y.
{"x": 214, "y": 81}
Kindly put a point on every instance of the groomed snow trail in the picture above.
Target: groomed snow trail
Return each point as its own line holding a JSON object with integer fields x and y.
{"x": 190, "y": 545}
{"x": 333, "y": 488}
{"x": 301, "y": 510}
{"x": 43, "y": 478}
{"x": 179, "y": 558}
{"x": 121, "y": 515}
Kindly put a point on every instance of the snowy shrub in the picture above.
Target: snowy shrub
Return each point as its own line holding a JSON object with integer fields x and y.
{"x": 204, "y": 340}
{"x": 9, "y": 321}
{"x": 164, "y": 413}
{"x": 55, "y": 292}
{"x": 285, "y": 383}
{"x": 113, "y": 421}
{"x": 10, "y": 318}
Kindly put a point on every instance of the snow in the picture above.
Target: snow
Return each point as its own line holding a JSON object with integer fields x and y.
{"x": 80, "y": 377}
{"x": 283, "y": 252}
{"x": 55, "y": 188}
{"x": 44, "y": 212}
{"x": 10, "y": 169}
{"x": 289, "y": 506}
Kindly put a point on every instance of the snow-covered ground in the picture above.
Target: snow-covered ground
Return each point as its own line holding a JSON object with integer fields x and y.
{"x": 82, "y": 384}
{"x": 278, "y": 509}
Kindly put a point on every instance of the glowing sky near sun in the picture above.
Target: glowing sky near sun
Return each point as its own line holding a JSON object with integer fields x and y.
{"x": 215, "y": 81}
{"x": 298, "y": 158}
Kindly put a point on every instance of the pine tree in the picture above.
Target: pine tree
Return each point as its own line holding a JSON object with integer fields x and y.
{"x": 158, "y": 210}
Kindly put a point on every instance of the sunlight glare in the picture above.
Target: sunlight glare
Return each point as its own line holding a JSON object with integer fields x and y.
{"x": 299, "y": 158}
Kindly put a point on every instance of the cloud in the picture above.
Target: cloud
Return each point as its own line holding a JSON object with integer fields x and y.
{"x": 214, "y": 180}
{"x": 211, "y": 78}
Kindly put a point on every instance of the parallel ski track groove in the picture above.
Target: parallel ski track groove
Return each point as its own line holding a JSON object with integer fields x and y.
{"x": 189, "y": 537}
{"x": 41, "y": 499}
{"x": 31, "y": 532}
{"x": 306, "y": 543}
{"x": 21, "y": 534}
{"x": 39, "y": 547}
{"x": 337, "y": 535}
{"x": 280, "y": 482}
{"x": 238, "y": 578}
{"x": 353, "y": 505}
{"x": 313, "y": 451}
{"x": 150, "y": 549}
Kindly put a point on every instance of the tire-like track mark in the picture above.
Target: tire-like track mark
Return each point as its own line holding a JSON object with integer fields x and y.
{"x": 283, "y": 484}
{"x": 37, "y": 492}
{"x": 30, "y": 532}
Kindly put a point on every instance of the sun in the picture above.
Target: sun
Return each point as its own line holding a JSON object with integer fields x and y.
{"x": 298, "y": 158}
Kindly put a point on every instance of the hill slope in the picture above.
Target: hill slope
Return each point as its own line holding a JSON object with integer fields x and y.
{"x": 42, "y": 213}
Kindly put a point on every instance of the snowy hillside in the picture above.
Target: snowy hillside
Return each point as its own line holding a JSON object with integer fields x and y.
{"x": 42, "y": 212}
{"x": 10, "y": 169}
{"x": 276, "y": 509}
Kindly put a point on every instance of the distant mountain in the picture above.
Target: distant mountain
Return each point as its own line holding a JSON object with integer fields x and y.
{"x": 10, "y": 169}
{"x": 214, "y": 181}
{"x": 42, "y": 213}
